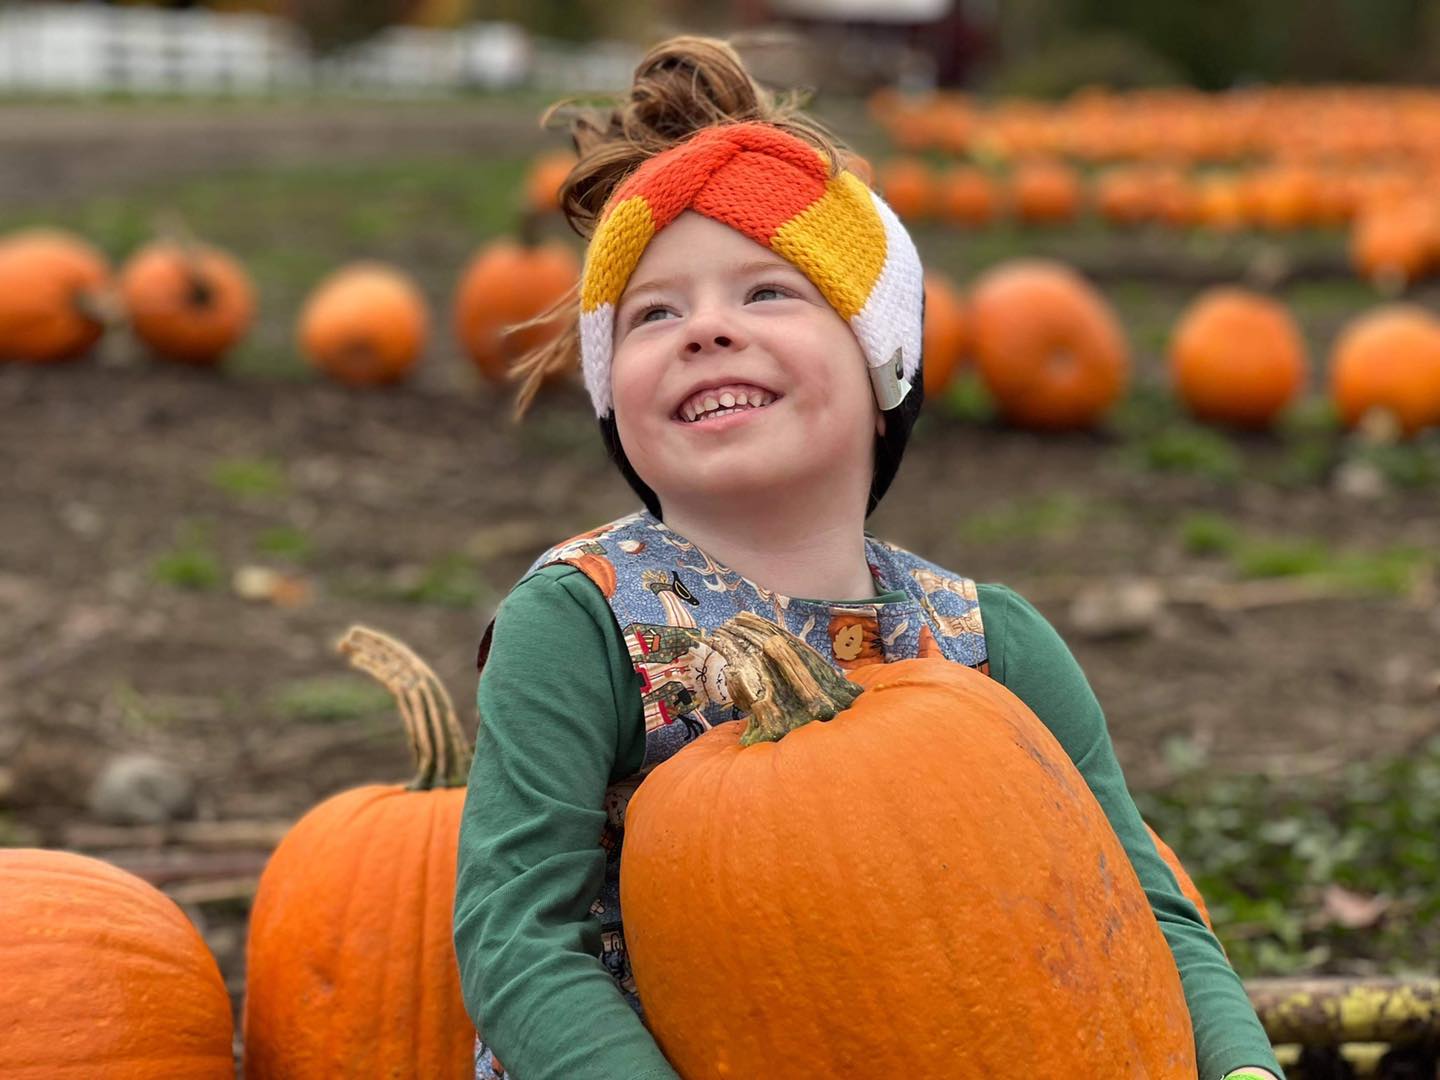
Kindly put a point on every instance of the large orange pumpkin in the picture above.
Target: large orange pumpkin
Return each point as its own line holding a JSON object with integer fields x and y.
{"x": 1048, "y": 346}
{"x": 1388, "y": 360}
{"x": 187, "y": 302}
{"x": 1237, "y": 357}
{"x": 888, "y": 887}
{"x": 946, "y": 332}
{"x": 350, "y": 964}
{"x": 365, "y": 324}
{"x": 104, "y": 976}
{"x": 507, "y": 283}
{"x": 54, "y": 288}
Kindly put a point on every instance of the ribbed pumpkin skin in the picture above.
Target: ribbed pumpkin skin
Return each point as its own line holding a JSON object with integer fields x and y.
{"x": 42, "y": 272}
{"x": 923, "y": 884}
{"x": 1048, "y": 346}
{"x": 104, "y": 976}
{"x": 350, "y": 963}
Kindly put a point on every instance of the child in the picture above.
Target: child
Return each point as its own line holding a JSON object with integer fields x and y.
{"x": 749, "y": 329}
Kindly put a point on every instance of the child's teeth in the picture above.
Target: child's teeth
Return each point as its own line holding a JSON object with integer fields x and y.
{"x": 711, "y": 403}
{"x": 727, "y": 399}
{"x": 742, "y": 398}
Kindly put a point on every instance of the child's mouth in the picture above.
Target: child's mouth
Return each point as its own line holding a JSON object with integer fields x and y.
{"x": 718, "y": 417}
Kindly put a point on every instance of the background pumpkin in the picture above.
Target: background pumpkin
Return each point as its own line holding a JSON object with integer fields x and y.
{"x": 365, "y": 324}
{"x": 350, "y": 965}
{"x": 506, "y": 283}
{"x": 54, "y": 295}
{"x": 1045, "y": 192}
{"x": 1388, "y": 360}
{"x": 104, "y": 977}
{"x": 946, "y": 332}
{"x": 933, "y": 924}
{"x": 1047, "y": 344}
{"x": 542, "y": 182}
{"x": 186, "y": 301}
{"x": 1237, "y": 357}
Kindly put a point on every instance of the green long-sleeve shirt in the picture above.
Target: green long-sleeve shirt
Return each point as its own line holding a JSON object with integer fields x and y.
{"x": 561, "y": 719}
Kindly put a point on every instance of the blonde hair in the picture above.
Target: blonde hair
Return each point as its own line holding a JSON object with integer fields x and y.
{"x": 680, "y": 86}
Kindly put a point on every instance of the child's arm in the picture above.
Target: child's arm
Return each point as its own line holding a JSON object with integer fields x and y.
{"x": 1030, "y": 658}
{"x": 530, "y": 864}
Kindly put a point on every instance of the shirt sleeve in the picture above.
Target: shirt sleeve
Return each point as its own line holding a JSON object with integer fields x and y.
{"x": 529, "y": 862}
{"x": 1029, "y": 657}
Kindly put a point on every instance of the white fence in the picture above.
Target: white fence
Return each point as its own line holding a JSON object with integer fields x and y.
{"x": 83, "y": 49}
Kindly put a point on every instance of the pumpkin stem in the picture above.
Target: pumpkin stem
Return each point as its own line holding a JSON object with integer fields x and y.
{"x": 777, "y": 678}
{"x": 437, "y": 742}
{"x": 171, "y": 227}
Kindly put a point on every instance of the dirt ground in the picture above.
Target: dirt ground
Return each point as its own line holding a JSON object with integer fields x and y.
{"x": 417, "y": 508}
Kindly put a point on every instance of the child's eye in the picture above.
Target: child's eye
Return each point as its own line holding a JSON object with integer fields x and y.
{"x": 776, "y": 289}
{"x": 643, "y": 315}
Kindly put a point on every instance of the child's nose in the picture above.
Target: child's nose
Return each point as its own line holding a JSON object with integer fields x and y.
{"x": 710, "y": 329}
{"x": 695, "y": 344}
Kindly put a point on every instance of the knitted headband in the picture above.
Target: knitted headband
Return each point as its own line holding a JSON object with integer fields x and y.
{"x": 775, "y": 189}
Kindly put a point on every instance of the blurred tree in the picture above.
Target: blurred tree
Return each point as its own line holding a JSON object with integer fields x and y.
{"x": 1222, "y": 42}
{"x": 329, "y": 25}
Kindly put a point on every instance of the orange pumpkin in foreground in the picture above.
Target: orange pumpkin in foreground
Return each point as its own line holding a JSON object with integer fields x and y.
{"x": 187, "y": 302}
{"x": 364, "y": 325}
{"x": 507, "y": 283}
{"x": 104, "y": 976}
{"x": 1237, "y": 357}
{"x": 1047, "y": 344}
{"x": 53, "y": 291}
{"x": 930, "y": 898}
{"x": 350, "y": 965}
{"x": 1388, "y": 360}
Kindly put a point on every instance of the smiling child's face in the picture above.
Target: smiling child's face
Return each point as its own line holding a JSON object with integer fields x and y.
{"x": 708, "y": 305}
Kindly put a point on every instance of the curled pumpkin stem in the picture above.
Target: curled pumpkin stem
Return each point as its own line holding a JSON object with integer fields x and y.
{"x": 437, "y": 742}
{"x": 777, "y": 678}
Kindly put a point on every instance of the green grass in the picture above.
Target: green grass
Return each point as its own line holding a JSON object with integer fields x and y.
{"x": 1208, "y": 534}
{"x": 1187, "y": 448}
{"x": 1047, "y": 516}
{"x": 191, "y": 563}
{"x": 1390, "y": 571}
{"x": 331, "y": 698}
{"x": 1262, "y": 853}
{"x": 450, "y": 580}
{"x": 249, "y": 478}
{"x": 285, "y": 542}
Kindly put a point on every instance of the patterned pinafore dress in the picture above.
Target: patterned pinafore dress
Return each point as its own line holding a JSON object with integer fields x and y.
{"x": 665, "y": 592}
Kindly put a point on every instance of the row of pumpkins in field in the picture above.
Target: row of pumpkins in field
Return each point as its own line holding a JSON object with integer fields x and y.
{"x": 1393, "y": 215}
{"x": 351, "y": 970}
{"x": 191, "y": 303}
{"x": 1336, "y": 125}
{"x": 1048, "y": 346}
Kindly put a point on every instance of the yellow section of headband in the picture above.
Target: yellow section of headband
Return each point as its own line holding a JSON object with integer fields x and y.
{"x": 838, "y": 242}
{"x": 615, "y": 250}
